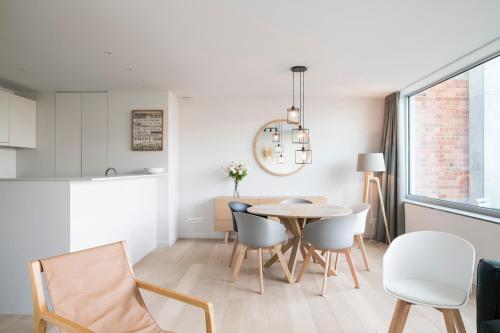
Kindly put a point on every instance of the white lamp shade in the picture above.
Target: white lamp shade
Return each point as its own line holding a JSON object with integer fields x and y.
{"x": 371, "y": 162}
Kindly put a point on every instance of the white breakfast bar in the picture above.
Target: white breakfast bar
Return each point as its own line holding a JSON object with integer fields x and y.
{"x": 50, "y": 216}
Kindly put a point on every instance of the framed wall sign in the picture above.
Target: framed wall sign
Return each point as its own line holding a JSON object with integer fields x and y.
{"x": 147, "y": 130}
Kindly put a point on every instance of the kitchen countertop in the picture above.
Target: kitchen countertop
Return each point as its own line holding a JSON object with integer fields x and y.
{"x": 88, "y": 179}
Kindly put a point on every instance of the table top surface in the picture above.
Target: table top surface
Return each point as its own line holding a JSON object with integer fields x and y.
{"x": 300, "y": 210}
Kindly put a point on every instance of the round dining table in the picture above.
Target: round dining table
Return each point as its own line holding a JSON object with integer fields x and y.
{"x": 295, "y": 217}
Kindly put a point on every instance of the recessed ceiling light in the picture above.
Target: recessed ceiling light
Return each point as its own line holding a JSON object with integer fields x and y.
{"x": 130, "y": 69}
{"x": 108, "y": 52}
{"x": 187, "y": 97}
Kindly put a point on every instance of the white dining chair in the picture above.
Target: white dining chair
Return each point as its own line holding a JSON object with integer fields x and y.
{"x": 360, "y": 211}
{"x": 334, "y": 234}
{"x": 258, "y": 233}
{"x": 432, "y": 269}
{"x": 292, "y": 201}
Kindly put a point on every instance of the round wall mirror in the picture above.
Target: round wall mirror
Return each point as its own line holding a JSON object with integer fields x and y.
{"x": 273, "y": 148}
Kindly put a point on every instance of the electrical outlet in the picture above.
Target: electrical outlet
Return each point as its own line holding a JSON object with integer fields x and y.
{"x": 195, "y": 220}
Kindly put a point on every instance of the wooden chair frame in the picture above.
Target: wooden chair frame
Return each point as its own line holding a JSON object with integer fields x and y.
{"x": 42, "y": 316}
{"x": 328, "y": 260}
{"x": 276, "y": 249}
{"x": 452, "y": 318}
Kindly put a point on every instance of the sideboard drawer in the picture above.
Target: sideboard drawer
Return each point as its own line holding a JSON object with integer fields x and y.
{"x": 223, "y": 214}
{"x": 224, "y": 225}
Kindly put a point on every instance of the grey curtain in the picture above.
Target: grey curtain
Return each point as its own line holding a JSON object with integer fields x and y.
{"x": 391, "y": 181}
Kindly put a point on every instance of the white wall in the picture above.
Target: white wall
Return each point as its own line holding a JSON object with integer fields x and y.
{"x": 483, "y": 235}
{"x": 213, "y": 132}
{"x": 7, "y": 162}
{"x": 173, "y": 175}
{"x": 41, "y": 162}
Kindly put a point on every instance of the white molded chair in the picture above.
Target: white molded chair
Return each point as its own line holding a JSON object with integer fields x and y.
{"x": 432, "y": 269}
{"x": 292, "y": 201}
{"x": 335, "y": 234}
{"x": 361, "y": 211}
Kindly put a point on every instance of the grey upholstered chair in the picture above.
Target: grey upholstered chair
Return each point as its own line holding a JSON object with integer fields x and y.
{"x": 236, "y": 207}
{"x": 335, "y": 234}
{"x": 360, "y": 211}
{"x": 296, "y": 201}
{"x": 257, "y": 233}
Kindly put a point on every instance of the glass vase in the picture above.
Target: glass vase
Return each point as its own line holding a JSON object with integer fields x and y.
{"x": 236, "y": 193}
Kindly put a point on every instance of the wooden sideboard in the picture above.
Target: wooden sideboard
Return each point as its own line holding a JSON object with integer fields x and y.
{"x": 223, "y": 219}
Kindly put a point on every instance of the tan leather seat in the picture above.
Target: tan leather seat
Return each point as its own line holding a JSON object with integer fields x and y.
{"x": 96, "y": 288}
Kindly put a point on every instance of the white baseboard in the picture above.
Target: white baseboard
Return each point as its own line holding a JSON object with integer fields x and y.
{"x": 210, "y": 236}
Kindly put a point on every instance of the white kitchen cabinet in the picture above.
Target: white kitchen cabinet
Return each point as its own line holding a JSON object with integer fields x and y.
{"x": 4, "y": 118}
{"x": 68, "y": 135}
{"x": 81, "y": 134}
{"x": 17, "y": 121}
{"x": 22, "y": 122}
{"x": 94, "y": 133}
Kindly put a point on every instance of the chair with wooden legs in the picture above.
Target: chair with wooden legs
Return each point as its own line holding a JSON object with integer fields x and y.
{"x": 95, "y": 290}
{"x": 432, "y": 269}
{"x": 236, "y": 207}
{"x": 360, "y": 211}
{"x": 258, "y": 233}
{"x": 335, "y": 234}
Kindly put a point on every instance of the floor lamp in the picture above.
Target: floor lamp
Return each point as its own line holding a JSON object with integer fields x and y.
{"x": 369, "y": 163}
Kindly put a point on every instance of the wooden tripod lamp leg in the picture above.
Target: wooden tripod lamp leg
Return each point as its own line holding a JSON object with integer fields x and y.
{"x": 369, "y": 176}
{"x": 383, "y": 209}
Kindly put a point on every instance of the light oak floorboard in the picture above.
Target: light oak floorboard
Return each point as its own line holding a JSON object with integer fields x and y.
{"x": 199, "y": 267}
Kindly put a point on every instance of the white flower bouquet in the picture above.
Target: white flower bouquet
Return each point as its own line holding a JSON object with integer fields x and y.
{"x": 237, "y": 172}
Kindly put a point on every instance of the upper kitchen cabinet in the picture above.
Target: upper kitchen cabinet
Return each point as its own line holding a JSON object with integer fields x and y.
{"x": 81, "y": 134}
{"x": 17, "y": 121}
{"x": 4, "y": 118}
{"x": 22, "y": 122}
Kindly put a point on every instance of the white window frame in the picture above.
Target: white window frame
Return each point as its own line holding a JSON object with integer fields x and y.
{"x": 464, "y": 64}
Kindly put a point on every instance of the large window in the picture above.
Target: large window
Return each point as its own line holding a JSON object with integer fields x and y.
{"x": 454, "y": 140}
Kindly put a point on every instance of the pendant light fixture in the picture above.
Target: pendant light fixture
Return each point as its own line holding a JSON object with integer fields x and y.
{"x": 303, "y": 156}
{"x": 276, "y": 135}
{"x": 300, "y": 134}
{"x": 293, "y": 113}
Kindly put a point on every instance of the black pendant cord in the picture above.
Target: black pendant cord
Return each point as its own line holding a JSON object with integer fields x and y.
{"x": 300, "y": 100}
{"x": 293, "y": 89}
{"x": 303, "y": 101}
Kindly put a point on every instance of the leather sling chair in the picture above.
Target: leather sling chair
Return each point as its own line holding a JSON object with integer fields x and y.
{"x": 95, "y": 290}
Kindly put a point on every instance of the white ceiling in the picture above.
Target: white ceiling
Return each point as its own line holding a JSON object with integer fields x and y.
{"x": 237, "y": 47}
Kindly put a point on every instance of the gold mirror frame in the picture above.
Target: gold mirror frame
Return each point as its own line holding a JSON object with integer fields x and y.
{"x": 256, "y": 156}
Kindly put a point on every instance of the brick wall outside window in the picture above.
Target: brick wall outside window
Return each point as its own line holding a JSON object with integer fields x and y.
{"x": 442, "y": 140}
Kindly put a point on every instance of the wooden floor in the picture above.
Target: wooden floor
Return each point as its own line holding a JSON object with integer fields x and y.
{"x": 199, "y": 267}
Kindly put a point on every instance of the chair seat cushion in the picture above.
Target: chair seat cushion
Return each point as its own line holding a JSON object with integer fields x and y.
{"x": 491, "y": 326}
{"x": 427, "y": 293}
{"x": 96, "y": 288}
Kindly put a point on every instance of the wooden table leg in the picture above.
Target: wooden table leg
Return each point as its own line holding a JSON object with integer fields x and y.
{"x": 293, "y": 256}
